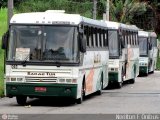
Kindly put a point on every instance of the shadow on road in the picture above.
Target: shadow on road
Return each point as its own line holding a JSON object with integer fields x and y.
{"x": 51, "y": 101}
{"x": 113, "y": 86}
{"x": 55, "y": 101}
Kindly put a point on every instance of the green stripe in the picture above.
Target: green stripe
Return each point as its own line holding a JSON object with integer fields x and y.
{"x": 113, "y": 76}
{"x": 143, "y": 69}
{"x": 28, "y": 89}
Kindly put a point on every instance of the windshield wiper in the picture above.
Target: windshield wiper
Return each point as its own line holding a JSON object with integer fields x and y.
{"x": 25, "y": 60}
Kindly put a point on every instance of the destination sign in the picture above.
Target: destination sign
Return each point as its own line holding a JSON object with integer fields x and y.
{"x": 41, "y": 73}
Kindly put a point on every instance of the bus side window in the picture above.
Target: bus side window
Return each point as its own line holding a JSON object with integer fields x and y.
{"x": 86, "y": 34}
{"x": 137, "y": 38}
{"x": 133, "y": 39}
{"x": 125, "y": 38}
{"x": 128, "y": 38}
{"x": 105, "y": 40}
{"x": 100, "y": 39}
{"x": 92, "y": 37}
{"x": 96, "y": 37}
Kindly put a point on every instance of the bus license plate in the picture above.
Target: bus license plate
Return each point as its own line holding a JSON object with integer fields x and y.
{"x": 40, "y": 89}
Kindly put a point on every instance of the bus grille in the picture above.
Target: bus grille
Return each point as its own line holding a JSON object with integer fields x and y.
{"x": 41, "y": 80}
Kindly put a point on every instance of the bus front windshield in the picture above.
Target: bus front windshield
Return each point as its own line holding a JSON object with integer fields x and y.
{"x": 43, "y": 43}
{"x": 143, "y": 46}
{"x": 113, "y": 43}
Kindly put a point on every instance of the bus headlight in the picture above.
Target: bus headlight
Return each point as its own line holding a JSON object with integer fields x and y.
{"x": 13, "y": 79}
{"x": 8, "y": 79}
{"x": 61, "y": 80}
{"x": 113, "y": 69}
{"x": 143, "y": 64}
{"x": 19, "y": 79}
{"x": 68, "y": 80}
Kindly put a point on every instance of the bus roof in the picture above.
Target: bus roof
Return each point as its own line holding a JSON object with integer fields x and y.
{"x": 153, "y": 34}
{"x": 51, "y": 17}
{"x": 143, "y": 33}
{"x": 116, "y": 25}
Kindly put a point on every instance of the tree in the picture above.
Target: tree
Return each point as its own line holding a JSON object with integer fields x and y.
{"x": 124, "y": 10}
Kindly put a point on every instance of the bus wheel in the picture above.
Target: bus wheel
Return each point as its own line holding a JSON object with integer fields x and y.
{"x": 146, "y": 74}
{"x": 21, "y": 100}
{"x": 132, "y": 81}
{"x": 119, "y": 84}
{"x": 153, "y": 68}
{"x": 80, "y": 100}
{"x": 99, "y": 92}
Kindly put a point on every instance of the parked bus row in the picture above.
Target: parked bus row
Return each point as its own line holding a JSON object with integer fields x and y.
{"x": 67, "y": 55}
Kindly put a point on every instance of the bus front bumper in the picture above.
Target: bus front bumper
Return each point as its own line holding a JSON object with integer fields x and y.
{"x": 40, "y": 90}
{"x": 113, "y": 77}
{"x": 143, "y": 69}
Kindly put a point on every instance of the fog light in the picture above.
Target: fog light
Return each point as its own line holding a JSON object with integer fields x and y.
{"x": 14, "y": 88}
{"x": 67, "y": 90}
{"x": 19, "y": 79}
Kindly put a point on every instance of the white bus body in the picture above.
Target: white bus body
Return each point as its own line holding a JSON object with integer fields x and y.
{"x": 123, "y": 52}
{"x": 47, "y": 57}
{"x": 148, "y": 52}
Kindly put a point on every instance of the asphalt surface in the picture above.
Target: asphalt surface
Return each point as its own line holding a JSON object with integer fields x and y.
{"x": 143, "y": 97}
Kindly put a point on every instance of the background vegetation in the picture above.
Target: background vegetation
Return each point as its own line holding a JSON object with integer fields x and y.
{"x": 3, "y": 27}
{"x": 125, "y": 11}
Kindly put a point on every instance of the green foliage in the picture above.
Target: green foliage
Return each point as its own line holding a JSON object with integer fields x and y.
{"x": 3, "y": 28}
{"x": 83, "y": 8}
{"x": 124, "y": 10}
{"x": 158, "y": 56}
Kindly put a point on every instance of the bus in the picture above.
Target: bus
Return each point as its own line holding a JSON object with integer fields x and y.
{"x": 53, "y": 53}
{"x": 148, "y": 52}
{"x": 123, "y": 53}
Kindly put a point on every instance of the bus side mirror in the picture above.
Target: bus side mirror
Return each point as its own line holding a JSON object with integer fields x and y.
{"x": 82, "y": 41}
{"x": 5, "y": 40}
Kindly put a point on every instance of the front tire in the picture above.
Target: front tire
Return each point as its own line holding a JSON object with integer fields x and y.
{"x": 132, "y": 81}
{"x": 80, "y": 100}
{"x": 99, "y": 92}
{"x": 21, "y": 100}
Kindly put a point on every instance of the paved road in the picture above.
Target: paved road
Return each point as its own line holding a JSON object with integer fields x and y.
{"x": 141, "y": 97}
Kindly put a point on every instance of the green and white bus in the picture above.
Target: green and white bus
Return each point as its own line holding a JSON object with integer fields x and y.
{"x": 55, "y": 54}
{"x": 123, "y": 52}
{"x": 148, "y": 52}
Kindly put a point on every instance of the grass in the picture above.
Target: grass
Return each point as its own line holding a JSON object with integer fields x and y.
{"x": 3, "y": 28}
{"x": 158, "y": 56}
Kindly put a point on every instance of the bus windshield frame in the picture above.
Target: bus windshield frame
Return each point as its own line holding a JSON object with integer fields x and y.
{"x": 113, "y": 43}
{"x": 43, "y": 44}
{"x": 143, "y": 46}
